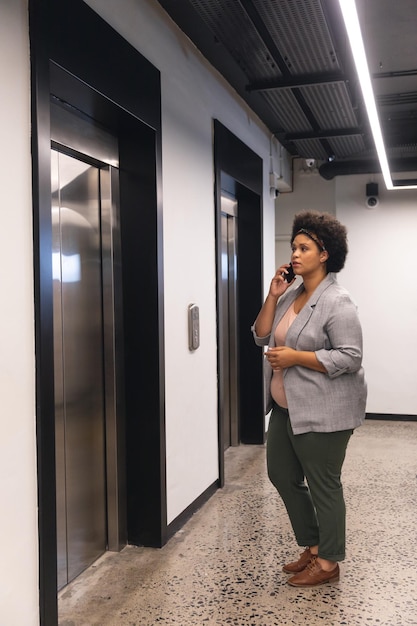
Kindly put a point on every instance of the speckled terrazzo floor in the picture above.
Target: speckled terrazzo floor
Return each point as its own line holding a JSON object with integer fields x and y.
{"x": 224, "y": 566}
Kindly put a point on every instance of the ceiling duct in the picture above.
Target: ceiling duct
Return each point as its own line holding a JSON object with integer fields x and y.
{"x": 367, "y": 166}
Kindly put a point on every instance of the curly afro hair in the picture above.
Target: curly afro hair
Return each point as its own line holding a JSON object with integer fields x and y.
{"x": 329, "y": 230}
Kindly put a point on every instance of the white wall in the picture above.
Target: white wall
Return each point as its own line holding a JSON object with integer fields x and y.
{"x": 379, "y": 274}
{"x": 192, "y": 95}
{"x": 18, "y": 517}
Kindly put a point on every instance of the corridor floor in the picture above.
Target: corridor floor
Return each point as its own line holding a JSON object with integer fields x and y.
{"x": 224, "y": 566}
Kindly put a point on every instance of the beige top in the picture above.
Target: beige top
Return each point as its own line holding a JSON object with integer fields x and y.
{"x": 329, "y": 326}
{"x": 277, "y": 382}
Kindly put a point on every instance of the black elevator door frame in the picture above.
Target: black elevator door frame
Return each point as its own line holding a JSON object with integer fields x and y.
{"x": 100, "y": 85}
{"x": 239, "y": 171}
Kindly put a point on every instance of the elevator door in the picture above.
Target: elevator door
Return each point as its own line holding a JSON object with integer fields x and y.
{"x": 79, "y": 375}
{"x": 229, "y": 321}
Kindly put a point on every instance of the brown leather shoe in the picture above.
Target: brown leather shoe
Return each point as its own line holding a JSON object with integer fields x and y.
{"x": 298, "y": 566}
{"x": 314, "y": 575}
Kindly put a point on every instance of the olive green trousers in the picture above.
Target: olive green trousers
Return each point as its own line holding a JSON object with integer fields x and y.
{"x": 306, "y": 471}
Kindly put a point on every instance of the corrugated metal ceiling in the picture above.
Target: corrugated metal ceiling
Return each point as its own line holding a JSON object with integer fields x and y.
{"x": 290, "y": 60}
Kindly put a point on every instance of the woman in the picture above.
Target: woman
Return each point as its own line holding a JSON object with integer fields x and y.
{"x": 317, "y": 392}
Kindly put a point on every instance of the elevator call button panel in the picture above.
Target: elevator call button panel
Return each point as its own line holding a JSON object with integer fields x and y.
{"x": 193, "y": 327}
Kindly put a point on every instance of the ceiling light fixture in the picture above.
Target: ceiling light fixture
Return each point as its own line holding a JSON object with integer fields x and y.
{"x": 351, "y": 19}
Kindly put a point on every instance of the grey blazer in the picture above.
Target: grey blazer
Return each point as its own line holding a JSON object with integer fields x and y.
{"x": 328, "y": 325}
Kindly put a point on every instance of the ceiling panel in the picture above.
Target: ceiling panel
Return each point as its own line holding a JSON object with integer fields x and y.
{"x": 290, "y": 61}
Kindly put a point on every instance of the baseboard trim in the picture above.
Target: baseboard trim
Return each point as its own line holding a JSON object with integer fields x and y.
{"x": 183, "y": 517}
{"x": 391, "y": 417}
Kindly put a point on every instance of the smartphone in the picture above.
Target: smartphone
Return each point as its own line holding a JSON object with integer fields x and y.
{"x": 289, "y": 277}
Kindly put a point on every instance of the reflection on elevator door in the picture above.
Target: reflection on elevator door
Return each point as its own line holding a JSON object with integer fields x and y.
{"x": 78, "y": 354}
{"x": 228, "y": 323}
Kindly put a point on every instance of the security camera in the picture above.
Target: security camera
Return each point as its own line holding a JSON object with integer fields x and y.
{"x": 310, "y": 162}
{"x": 372, "y": 202}
{"x": 372, "y": 195}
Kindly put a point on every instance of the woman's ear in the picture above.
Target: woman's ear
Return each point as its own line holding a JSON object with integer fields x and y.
{"x": 324, "y": 255}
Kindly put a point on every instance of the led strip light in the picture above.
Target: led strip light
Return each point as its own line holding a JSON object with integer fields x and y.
{"x": 350, "y": 17}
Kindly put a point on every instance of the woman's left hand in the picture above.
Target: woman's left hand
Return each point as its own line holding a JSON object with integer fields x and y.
{"x": 281, "y": 357}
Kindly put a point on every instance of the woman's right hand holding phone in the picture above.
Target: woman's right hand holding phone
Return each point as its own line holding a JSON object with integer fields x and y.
{"x": 278, "y": 284}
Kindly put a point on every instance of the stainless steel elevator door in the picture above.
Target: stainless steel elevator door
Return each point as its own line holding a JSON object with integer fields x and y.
{"x": 79, "y": 374}
{"x": 228, "y": 323}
